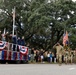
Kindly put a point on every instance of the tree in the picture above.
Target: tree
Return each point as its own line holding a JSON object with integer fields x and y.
{"x": 41, "y": 23}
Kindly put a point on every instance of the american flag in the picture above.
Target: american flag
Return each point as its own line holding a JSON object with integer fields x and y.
{"x": 23, "y": 50}
{"x": 65, "y": 38}
{"x": 12, "y": 55}
{"x": 3, "y": 45}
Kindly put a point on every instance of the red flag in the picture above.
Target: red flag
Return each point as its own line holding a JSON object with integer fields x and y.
{"x": 65, "y": 38}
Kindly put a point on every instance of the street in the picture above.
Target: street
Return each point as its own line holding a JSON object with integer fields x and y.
{"x": 37, "y": 69}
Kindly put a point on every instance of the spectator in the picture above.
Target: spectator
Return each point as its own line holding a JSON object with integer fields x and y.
{"x": 41, "y": 55}
{"x": 14, "y": 42}
{"x": 18, "y": 43}
{"x": 32, "y": 54}
{"x": 22, "y": 41}
{"x": 48, "y": 57}
{"x": 37, "y": 55}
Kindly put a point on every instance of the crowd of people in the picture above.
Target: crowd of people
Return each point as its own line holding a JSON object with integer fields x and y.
{"x": 41, "y": 55}
{"x": 14, "y": 41}
{"x": 62, "y": 55}
{"x": 18, "y": 41}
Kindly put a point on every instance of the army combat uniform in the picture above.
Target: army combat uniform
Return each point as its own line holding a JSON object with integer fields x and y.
{"x": 59, "y": 50}
{"x": 68, "y": 56}
{"x": 74, "y": 57}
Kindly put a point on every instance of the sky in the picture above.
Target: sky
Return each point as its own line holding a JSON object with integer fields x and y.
{"x": 74, "y": 0}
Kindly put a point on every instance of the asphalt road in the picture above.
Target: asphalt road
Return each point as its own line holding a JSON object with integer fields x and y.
{"x": 37, "y": 69}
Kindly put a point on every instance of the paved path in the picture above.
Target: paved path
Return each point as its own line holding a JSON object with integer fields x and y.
{"x": 37, "y": 69}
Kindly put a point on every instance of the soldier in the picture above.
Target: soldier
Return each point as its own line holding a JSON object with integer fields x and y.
{"x": 59, "y": 50}
{"x": 68, "y": 56}
{"x": 74, "y": 57}
{"x": 65, "y": 56}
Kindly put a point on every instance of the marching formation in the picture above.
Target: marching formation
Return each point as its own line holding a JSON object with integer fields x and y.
{"x": 61, "y": 56}
{"x": 65, "y": 55}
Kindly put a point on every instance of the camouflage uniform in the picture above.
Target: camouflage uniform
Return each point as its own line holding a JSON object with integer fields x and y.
{"x": 74, "y": 58}
{"x": 68, "y": 56}
{"x": 59, "y": 50}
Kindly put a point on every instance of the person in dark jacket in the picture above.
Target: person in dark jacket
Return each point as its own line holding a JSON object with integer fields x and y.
{"x": 23, "y": 41}
{"x": 14, "y": 41}
{"x": 18, "y": 43}
{"x": 32, "y": 54}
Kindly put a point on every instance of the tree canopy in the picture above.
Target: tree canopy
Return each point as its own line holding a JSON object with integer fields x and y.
{"x": 42, "y": 23}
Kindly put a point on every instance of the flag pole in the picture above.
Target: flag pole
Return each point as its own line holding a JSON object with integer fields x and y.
{"x": 13, "y": 20}
{"x": 3, "y": 35}
{"x": 4, "y": 31}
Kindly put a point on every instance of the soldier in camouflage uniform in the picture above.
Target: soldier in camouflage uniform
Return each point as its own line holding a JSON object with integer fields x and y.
{"x": 68, "y": 56}
{"x": 59, "y": 50}
{"x": 74, "y": 57}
